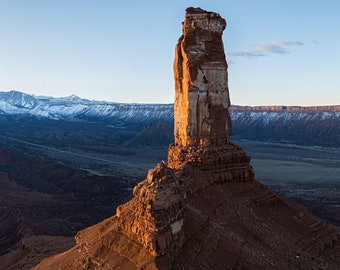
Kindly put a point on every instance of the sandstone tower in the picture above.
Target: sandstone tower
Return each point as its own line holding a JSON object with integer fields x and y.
{"x": 203, "y": 210}
{"x": 202, "y": 122}
{"x": 201, "y": 81}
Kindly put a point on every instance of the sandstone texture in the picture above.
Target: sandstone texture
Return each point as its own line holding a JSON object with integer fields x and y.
{"x": 203, "y": 209}
{"x": 201, "y": 81}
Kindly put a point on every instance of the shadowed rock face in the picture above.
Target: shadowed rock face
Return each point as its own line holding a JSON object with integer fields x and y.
{"x": 201, "y": 81}
{"x": 204, "y": 210}
{"x": 201, "y": 119}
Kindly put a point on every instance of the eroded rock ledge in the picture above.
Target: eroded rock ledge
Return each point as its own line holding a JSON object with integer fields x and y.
{"x": 155, "y": 216}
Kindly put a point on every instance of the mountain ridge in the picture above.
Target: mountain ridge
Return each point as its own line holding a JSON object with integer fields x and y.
{"x": 313, "y": 125}
{"x": 22, "y": 103}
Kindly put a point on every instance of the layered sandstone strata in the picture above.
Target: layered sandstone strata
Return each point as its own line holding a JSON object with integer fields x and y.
{"x": 154, "y": 217}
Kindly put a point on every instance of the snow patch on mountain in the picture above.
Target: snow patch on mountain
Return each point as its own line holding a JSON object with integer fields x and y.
{"x": 75, "y": 108}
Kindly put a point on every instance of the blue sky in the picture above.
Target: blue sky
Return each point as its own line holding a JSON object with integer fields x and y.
{"x": 279, "y": 52}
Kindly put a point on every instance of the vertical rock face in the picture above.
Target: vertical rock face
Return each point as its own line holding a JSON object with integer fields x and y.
{"x": 201, "y": 81}
{"x": 202, "y": 122}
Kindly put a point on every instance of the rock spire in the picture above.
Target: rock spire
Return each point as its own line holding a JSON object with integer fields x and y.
{"x": 203, "y": 210}
{"x": 201, "y": 81}
{"x": 202, "y": 122}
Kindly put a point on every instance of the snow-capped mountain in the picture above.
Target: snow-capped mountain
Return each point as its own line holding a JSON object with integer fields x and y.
{"x": 75, "y": 108}
{"x": 303, "y": 125}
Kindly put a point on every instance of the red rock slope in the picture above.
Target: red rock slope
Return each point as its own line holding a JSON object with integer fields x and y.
{"x": 203, "y": 210}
